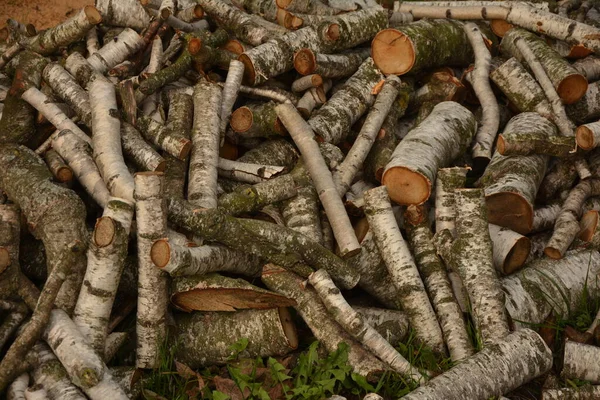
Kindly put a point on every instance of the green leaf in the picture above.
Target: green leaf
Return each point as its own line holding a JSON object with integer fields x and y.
{"x": 216, "y": 395}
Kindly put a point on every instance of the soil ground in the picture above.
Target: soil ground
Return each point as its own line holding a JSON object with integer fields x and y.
{"x": 43, "y": 14}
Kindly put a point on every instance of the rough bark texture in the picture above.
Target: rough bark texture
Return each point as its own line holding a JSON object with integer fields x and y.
{"x": 66, "y": 87}
{"x": 151, "y": 220}
{"x": 499, "y": 368}
{"x": 588, "y": 107}
{"x": 329, "y": 65}
{"x": 510, "y": 249}
{"x": 448, "y": 179}
{"x": 546, "y": 286}
{"x": 314, "y": 313}
{"x": 206, "y": 338}
{"x": 136, "y": 148}
{"x": 116, "y": 51}
{"x": 580, "y": 362}
{"x": 437, "y": 284}
{"x": 129, "y": 13}
{"x": 403, "y": 271}
{"x": 587, "y": 392}
{"x": 249, "y": 199}
{"x": 472, "y": 258}
{"x": 433, "y": 144}
{"x": 333, "y": 121}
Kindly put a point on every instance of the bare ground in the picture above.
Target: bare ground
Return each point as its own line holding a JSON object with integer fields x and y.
{"x": 42, "y": 14}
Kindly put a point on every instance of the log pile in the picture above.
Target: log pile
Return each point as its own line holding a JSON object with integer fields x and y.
{"x": 184, "y": 174}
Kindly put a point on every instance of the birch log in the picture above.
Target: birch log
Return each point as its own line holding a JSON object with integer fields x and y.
{"x": 499, "y": 368}
{"x": 448, "y": 179}
{"x": 581, "y": 362}
{"x": 129, "y": 13}
{"x": 151, "y": 220}
{"x": 472, "y": 258}
{"x": 510, "y": 249}
{"x": 433, "y": 144}
{"x": 403, "y": 271}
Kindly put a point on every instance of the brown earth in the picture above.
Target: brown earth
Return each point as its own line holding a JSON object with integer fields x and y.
{"x": 42, "y": 14}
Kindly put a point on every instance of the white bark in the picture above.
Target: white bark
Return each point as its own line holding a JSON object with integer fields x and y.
{"x": 391, "y": 324}
{"x": 78, "y": 155}
{"x": 16, "y": 390}
{"x": 356, "y": 326}
{"x": 588, "y": 67}
{"x": 587, "y": 392}
{"x": 123, "y": 13}
{"x": 66, "y": 87}
{"x": 151, "y": 217}
{"x": 347, "y": 170}
{"x": 447, "y": 180}
{"x": 510, "y": 249}
{"x": 433, "y": 144}
{"x": 105, "y": 263}
{"x": 91, "y": 41}
{"x": 513, "y": 361}
{"x": 85, "y": 368}
{"x": 588, "y": 135}
{"x": 231, "y": 87}
{"x": 36, "y": 392}
{"x": 106, "y": 137}
{"x": 566, "y": 226}
{"x": 204, "y": 159}
{"x": 403, "y": 271}
{"x": 306, "y": 82}
{"x": 472, "y": 258}
{"x": 245, "y": 172}
{"x": 304, "y": 138}
{"x": 137, "y": 149}
{"x": 581, "y": 362}
{"x": 546, "y": 286}
{"x": 323, "y": 326}
{"x": 480, "y": 80}
{"x": 116, "y": 51}
{"x": 174, "y": 143}
{"x": 49, "y": 372}
{"x": 52, "y": 112}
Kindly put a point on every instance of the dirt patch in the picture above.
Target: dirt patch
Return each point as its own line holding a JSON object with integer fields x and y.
{"x": 42, "y": 14}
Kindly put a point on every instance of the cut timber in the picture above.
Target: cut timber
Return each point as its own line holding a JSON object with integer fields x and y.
{"x": 351, "y": 29}
{"x": 116, "y": 51}
{"x": 230, "y": 92}
{"x": 307, "y": 6}
{"x": 530, "y": 133}
{"x": 566, "y": 227}
{"x": 329, "y": 65}
{"x": 16, "y": 390}
{"x": 50, "y": 373}
{"x": 437, "y": 284}
{"x": 65, "y": 86}
{"x": 61, "y": 171}
{"x": 547, "y": 285}
{"x": 157, "y": 134}
{"x": 307, "y": 82}
{"x": 206, "y": 338}
{"x": 570, "y": 84}
{"x": 139, "y": 151}
{"x": 581, "y": 362}
{"x": 248, "y": 199}
{"x": 320, "y": 322}
{"x": 498, "y": 368}
{"x": 106, "y": 138}
{"x": 54, "y": 214}
{"x": 588, "y": 67}
{"x": 472, "y": 258}
{"x": 345, "y": 173}
{"x": 511, "y": 185}
{"x": 480, "y": 80}
{"x": 257, "y": 120}
{"x": 434, "y": 143}
{"x": 303, "y": 136}
{"x": 333, "y": 121}
{"x": 272, "y": 242}
{"x": 73, "y": 29}
{"x": 85, "y": 368}
{"x": 561, "y": 177}
{"x": 128, "y": 13}
{"x": 586, "y": 392}
{"x": 151, "y": 218}
{"x": 106, "y": 260}
{"x": 510, "y": 249}
{"x": 185, "y": 260}
{"x": 589, "y": 228}
{"x": 204, "y": 159}
{"x": 588, "y": 108}
{"x": 78, "y": 154}
{"x": 588, "y": 135}
{"x": 521, "y": 88}
{"x": 391, "y": 324}
{"x": 214, "y": 292}
{"x": 249, "y": 173}
{"x": 357, "y": 327}
{"x": 416, "y": 46}
{"x": 448, "y": 179}
{"x": 403, "y": 271}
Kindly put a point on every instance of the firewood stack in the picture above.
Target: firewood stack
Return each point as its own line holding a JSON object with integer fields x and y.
{"x": 158, "y": 157}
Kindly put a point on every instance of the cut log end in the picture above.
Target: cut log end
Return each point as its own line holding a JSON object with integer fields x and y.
{"x": 4, "y": 259}
{"x": 579, "y": 51}
{"x": 393, "y": 52}
{"x": 104, "y": 232}
{"x": 553, "y": 253}
{"x": 500, "y": 144}
{"x": 198, "y": 11}
{"x": 93, "y": 15}
{"x": 283, "y": 3}
{"x": 194, "y": 45}
{"x": 185, "y": 149}
{"x": 517, "y": 256}
{"x": 585, "y": 138}
{"x": 288, "y": 327}
{"x": 165, "y": 14}
{"x": 588, "y": 224}
{"x": 241, "y": 119}
{"x": 233, "y": 46}
{"x": 405, "y": 186}
{"x": 500, "y": 27}
{"x": 64, "y": 174}
{"x": 510, "y": 210}
{"x": 572, "y": 88}
{"x": 361, "y": 228}
{"x": 249, "y": 71}
{"x": 290, "y": 21}
{"x": 160, "y": 253}
{"x": 305, "y": 61}
{"x": 228, "y": 300}
{"x": 161, "y": 166}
